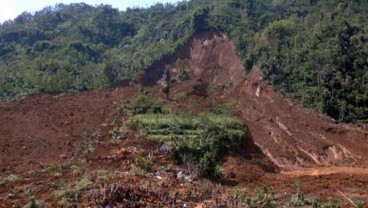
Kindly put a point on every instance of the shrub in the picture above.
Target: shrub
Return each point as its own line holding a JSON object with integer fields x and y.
{"x": 360, "y": 204}
{"x": 315, "y": 203}
{"x": 141, "y": 104}
{"x": 70, "y": 193}
{"x": 33, "y": 204}
{"x": 297, "y": 200}
{"x": 219, "y": 172}
{"x": 183, "y": 74}
{"x": 265, "y": 198}
{"x": 136, "y": 171}
{"x": 242, "y": 198}
{"x": 83, "y": 185}
{"x": 207, "y": 165}
{"x": 145, "y": 163}
{"x": 115, "y": 133}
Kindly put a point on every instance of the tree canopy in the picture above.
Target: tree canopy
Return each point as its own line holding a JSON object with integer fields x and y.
{"x": 315, "y": 51}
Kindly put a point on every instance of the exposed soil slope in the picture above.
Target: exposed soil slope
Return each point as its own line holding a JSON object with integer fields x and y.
{"x": 210, "y": 58}
{"x": 43, "y": 129}
{"x": 299, "y": 141}
{"x": 49, "y": 129}
{"x": 292, "y": 136}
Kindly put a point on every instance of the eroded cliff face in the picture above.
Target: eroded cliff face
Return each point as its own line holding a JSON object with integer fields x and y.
{"x": 209, "y": 57}
{"x": 292, "y": 136}
{"x": 288, "y": 134}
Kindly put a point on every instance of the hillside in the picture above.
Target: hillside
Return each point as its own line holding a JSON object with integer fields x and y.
{"x": 205, "y": 103}
{"x": 72, "y": 149}
{"x": 313, "y": 51}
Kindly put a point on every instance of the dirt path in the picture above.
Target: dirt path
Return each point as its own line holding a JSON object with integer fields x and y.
{"x": 326, "y": 171}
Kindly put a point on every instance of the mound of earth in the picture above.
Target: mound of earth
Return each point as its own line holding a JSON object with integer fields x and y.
{"x": 43, "y": 138}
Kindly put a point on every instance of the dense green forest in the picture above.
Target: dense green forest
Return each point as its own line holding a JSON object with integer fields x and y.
{"x": 313, "y": 50}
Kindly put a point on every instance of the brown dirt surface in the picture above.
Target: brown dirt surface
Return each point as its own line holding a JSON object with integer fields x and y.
{"x": 48, "y": 128}
{"x": 294, "y": 137}
{"x": 44, "y": 139}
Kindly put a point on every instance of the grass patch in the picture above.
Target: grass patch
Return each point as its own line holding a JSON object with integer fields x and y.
{"x": 83, "y": 185}
{"x": 176, "y": 122}
{"x": 229, "y": 108}
{"x": 33, "y": 204}
{"x": 137, "y": 171}
{"x": 69, "y": 194}
{"x": 9, "y": 179}
{"x": 202, "y": 139}
{"x": 91, "y": 139}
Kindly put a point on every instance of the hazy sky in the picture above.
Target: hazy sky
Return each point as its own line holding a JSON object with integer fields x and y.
{"x": 12, "y": 8}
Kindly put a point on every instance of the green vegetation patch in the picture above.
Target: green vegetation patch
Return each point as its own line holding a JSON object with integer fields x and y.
{"x": 160, "y": 126}
{"x": 202, "y": 139}
{"x": 69, "y": 193}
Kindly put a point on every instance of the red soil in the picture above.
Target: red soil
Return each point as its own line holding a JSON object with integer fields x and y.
{"x": 283, "y": 138}
{"x": 45, "y": 128}
{"x": 294, "y": 137}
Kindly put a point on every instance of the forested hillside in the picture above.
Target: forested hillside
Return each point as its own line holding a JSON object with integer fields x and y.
{"x": 315, "y": 51}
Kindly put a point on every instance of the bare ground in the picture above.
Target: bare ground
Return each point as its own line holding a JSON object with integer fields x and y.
{"x": 286, "y": 143}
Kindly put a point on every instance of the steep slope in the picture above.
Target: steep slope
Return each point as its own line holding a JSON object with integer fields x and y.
{"x": 50, "y": 130}
{"x": 209, "y": 58}
{"x": 328, "y": 157}
{"x": 293, "y": 136}
{"x": 288, "y": 134}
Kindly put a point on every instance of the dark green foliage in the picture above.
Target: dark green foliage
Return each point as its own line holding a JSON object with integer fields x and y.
{"x": 200, "y": 19}
{"x": 207, "y": 164}
{"x": 314, "y": 57}
{"x": 314, "y": 51}
{"x": 80, "y": 47}
{"x": 141, "y": 104}
{"x": 110, "y": 72}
